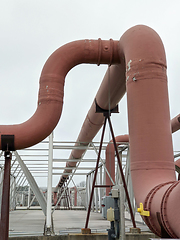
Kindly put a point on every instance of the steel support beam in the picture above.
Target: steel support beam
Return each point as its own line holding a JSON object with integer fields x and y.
{"x": 32, "y": 183}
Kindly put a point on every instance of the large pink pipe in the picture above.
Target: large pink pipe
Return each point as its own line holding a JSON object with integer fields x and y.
{"x": 151, "y": 151}
{"x": 110, "y": 159}
{"x": 110, "y": 154}
{"x": 51, "y": 89}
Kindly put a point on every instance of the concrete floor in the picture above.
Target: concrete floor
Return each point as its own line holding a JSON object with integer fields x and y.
{"x": 31, "y": 222}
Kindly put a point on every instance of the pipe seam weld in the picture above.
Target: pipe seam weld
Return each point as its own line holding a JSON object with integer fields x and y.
{"x": 93, "y": 123}
{"x": 99, "y": 51}
{"x": 51, "y": 89}
{"x": 105, "y": 48}
{"x": 146, "y": 165}
{"x": 50, "y": 95}
{"x": 139, "y": 70}
{"x": 111, "y": 51}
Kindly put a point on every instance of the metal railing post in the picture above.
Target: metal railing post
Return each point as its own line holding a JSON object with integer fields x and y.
{"x": 48, "y": 228}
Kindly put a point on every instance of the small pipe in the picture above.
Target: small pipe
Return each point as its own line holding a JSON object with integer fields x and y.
{"x": 110, "y": 159}
{"x": 75, "y": 196}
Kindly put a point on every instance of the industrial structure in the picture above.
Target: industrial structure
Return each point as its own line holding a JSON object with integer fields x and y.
{"x": 137, "y": 65}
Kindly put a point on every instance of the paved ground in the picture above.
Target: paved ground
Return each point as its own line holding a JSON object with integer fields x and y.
{"x": 31, "y": 222}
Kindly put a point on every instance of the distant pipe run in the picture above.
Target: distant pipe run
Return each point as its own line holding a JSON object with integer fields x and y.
{"x": 110, "y": 92}
{"x": 175, "y": 123}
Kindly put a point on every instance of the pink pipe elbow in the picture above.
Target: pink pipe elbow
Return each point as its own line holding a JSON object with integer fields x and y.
{"x": 110, "y": 159}
{"x": 175, "y": 123}
{"x": 51, "y": 90}
{"x": 152, "y": 163}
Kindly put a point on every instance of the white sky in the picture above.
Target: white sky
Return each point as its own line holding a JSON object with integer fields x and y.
{"x": 32, "y": 29}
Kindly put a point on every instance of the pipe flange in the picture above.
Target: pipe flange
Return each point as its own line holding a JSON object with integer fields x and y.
{"x": 147, "y": 207}
{"x": 164, "y": 210}
{"x": 111, "y": 51}
{"x": 109, "y": 48}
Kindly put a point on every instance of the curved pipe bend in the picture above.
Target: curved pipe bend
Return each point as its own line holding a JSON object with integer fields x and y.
{"x": 51, "y": 90}
{"x": 175, "y": 123}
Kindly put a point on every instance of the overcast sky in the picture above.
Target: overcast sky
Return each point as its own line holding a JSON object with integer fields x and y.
{"x": 32, "y": 29}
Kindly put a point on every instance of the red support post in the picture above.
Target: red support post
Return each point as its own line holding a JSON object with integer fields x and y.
{"x": 4, "y": 222}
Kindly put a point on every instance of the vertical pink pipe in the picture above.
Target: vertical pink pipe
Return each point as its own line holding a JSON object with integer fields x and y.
{"x": 150, "y": 137}
{"x": 75, "y": 196}
{"x": 110, "y": 159}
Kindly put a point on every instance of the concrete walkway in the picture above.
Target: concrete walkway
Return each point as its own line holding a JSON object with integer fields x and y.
{"x": 31, "y": 222}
